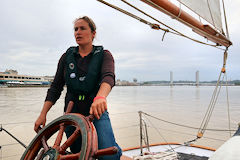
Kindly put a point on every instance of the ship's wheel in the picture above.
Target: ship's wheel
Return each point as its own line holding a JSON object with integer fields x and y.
{"x": 40, "y": 148}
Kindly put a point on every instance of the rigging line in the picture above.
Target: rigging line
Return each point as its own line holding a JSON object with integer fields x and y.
{"x": 125, "y": 12}
{"x": 213, "y": 105}
{"x": 154, "y": 25}
{"x": 170, "y": 122}
{"x": 228, "y": 108}
{"x": 180, "y": 9}
{"x": 224, "y": 71}
{"x": 203, "y": 123}
{"x": 222, "y": 130}
{"x": 184, "y": 144}
{"x": 175, "y": 31}
{"x": 149, "y": 1}
{"x": 159, "y": 133}
{"x": 149, "y": 16}
{"x": 168, "y": 130}
{"x": 211, "y": 13}
{"x": 225, "y": 18}
{"x": 145, "y": 134}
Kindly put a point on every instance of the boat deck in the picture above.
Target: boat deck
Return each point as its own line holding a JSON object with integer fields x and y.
{"x": 182, "y": 156}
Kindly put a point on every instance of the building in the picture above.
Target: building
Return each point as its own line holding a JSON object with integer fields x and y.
{"x": 11, "y": 77}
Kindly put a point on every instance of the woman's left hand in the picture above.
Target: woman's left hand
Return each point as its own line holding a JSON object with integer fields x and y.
{"x": 98, "y": 107}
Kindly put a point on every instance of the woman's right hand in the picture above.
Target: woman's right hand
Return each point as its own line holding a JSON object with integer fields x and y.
{"x": 40, "y": 121}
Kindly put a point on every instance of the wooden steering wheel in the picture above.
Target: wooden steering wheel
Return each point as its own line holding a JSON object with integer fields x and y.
{"x": 39, "y": 148}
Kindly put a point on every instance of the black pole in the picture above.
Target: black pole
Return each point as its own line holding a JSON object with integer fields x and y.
{"x": 141, "y": 146}
{"x": 2, "y": 129}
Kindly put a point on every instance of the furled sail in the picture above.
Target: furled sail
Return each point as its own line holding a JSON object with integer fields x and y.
{"x": 207, "y": 9}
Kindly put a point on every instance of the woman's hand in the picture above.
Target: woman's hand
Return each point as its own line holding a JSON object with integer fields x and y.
{"x": 98, "y": 107}
{"x": 42, "y": 118}
{"x": 40, "y": 121}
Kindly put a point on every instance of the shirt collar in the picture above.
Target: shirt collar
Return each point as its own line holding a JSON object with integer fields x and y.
{"x": 77, "y": 54}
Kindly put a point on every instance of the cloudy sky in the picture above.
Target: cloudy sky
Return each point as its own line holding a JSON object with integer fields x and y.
{"x": 34, "y": 34}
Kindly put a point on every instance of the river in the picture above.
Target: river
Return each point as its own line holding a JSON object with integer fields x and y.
{"x": 19, "y": 108}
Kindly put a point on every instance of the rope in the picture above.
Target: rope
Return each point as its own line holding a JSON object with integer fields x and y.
{"x": 167, "y": 130}
{"x": 145, "y": 134}
{"x": 172, "y": 15}
{"x": 214, "y": 98}
{"x": 181, "y": 145}
{"x": 175, "y": 31}
{"x": 156, "y": 26}
{"x": 210, "y": 13}
{"x": 159, "y": 133}
{"x": 180, "y": 9}
{"x": 228, "y": 108}
{"x": 211, "y": 106}
{"x": 225, "y": 18}
{"x": 186, "y": 126}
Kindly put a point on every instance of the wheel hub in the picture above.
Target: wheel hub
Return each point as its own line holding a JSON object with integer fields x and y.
{"x": 51, "y": 154}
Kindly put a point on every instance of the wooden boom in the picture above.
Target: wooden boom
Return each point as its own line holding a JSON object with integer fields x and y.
{"x": 174, "y": 11}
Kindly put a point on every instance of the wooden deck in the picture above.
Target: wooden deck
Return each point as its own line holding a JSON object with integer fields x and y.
{"x": 125, "y": 158}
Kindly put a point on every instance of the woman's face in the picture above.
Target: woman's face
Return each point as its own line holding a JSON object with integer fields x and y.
{"x": 83, "y": 33}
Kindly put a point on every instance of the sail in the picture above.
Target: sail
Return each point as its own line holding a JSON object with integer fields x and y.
{"x": 207, "y": 9}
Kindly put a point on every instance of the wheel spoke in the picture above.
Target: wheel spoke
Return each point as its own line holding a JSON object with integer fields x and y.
{"x": 39, "y": 156}
{"x": 59, "y": 137}
{"x": 70, "y": 156}
{"x": 70, "y": 140}
{"x": 44, "y": 143}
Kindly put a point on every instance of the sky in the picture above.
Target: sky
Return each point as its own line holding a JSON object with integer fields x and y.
{"x": 34, "y": 35}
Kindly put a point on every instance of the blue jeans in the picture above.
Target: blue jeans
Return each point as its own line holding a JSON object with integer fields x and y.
{"x": 105, "y": 137}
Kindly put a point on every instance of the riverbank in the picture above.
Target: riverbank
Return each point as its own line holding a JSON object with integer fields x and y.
{"x": 19, "y": 86}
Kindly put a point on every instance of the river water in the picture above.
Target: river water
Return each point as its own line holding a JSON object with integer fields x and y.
{"x": 186, "y": 105}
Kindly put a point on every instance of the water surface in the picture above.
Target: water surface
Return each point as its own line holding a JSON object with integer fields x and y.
{"x": 19, "y": 108}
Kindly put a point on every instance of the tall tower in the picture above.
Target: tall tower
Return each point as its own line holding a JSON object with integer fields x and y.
{"x": 171, "y": 78}
{"x": 197, "y": 78}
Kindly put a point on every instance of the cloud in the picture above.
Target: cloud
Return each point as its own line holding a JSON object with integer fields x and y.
{"x": 34, "y": 35}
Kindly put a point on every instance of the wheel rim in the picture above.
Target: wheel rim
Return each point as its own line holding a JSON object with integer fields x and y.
{"x": 40, "y": 147}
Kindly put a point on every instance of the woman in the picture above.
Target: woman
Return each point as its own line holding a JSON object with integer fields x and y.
{"x": 88, "y": 72}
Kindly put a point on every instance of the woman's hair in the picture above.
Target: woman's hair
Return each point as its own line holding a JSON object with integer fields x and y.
{"x": 89, "y": 21}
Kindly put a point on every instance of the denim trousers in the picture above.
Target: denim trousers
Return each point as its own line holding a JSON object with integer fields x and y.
{"x": 105, "y": 137}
